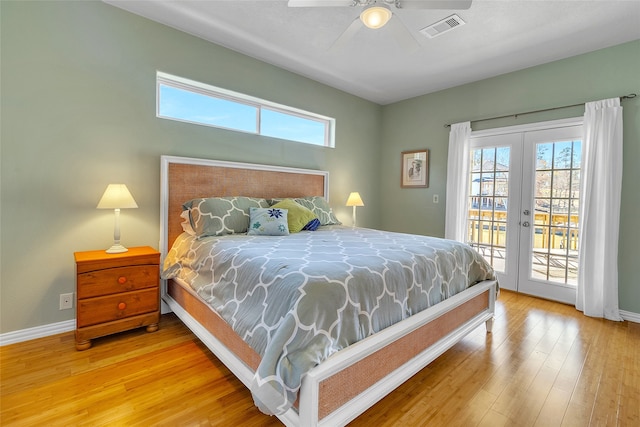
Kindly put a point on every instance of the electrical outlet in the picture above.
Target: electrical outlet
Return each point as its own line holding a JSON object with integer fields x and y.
{"x": 436, "y": 199}
{"x": 66, "y": 301}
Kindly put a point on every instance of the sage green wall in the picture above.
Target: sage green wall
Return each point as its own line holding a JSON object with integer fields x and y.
{"x": 419, "y": 123}
{"x": 78, "y": 113}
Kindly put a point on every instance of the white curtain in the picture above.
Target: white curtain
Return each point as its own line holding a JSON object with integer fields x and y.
{"x": 600, "y": 210}
{"x": 457, "y": 182}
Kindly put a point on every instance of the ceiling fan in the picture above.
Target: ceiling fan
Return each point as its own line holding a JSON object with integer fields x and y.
{"x": 377, "y": 13}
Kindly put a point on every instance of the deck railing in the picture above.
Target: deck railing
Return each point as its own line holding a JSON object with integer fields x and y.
{"x": 551, "y": 231}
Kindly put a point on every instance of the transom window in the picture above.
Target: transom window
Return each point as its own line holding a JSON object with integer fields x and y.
{"x": 199, "y": 103}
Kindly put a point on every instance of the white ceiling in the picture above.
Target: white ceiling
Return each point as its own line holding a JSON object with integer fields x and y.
{"x": 498, "y": 37}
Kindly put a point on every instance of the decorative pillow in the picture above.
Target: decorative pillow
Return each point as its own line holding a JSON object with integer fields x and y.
{"x": 298, "y": 216}
{"x": 215, "y": 216}
{"x": 319, "y": 206}
{"x": 268, "y": 222}
{"x": 312, "y": 225}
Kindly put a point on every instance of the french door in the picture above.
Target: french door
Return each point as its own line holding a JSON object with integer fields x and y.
{"x": 523, "y": 201}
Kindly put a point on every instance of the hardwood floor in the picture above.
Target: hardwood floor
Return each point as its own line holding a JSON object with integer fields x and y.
{"x": 545, "y": 364}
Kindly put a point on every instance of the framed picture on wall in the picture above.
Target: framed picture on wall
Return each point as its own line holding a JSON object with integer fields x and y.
{"x": 415, "y": 169}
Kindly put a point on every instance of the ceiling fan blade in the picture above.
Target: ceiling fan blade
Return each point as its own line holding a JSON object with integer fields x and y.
{"x": 434, "y": 4}
{"x": 402, "y": 34}
{"x": 319, "y": 3}
{"x": 348, "y": 34}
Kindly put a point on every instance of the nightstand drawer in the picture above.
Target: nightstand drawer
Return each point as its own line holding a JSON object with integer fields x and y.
{"x": 114, "y": 307}
{"x": 115, "y": 280}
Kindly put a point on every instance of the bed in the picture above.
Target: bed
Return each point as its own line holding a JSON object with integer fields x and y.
{"x": 359, "y": 366}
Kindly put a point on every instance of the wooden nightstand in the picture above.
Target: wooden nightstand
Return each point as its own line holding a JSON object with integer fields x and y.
{"x": 116, "y": 292}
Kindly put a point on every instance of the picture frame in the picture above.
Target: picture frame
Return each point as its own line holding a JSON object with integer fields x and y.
{"x": 414, "y": 169}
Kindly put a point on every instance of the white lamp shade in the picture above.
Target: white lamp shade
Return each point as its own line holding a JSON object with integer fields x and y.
{"x": 117, "y": 196}
{"x": 355, "y": 199}
{"x": 375, "y": 17}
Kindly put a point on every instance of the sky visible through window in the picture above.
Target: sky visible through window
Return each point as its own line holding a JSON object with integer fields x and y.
{"x": 286, "y": 126}
{"x": 197, "y": 108}
{"x": 185, "y": 105}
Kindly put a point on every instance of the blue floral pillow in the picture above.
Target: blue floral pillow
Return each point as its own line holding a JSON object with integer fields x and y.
{"x": 268, "y": 222}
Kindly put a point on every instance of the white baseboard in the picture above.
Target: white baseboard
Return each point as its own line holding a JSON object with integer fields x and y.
{"x": 37, "y": 332}
{"x": 630, "y": 316}
{"x": 51, "y": 329}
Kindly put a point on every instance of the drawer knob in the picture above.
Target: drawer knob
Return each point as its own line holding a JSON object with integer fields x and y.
{"x": 122, "y": 280}
{"x": 122, "y": 306}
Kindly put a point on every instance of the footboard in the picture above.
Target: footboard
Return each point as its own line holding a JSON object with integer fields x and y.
{"x": 354, "y": 379}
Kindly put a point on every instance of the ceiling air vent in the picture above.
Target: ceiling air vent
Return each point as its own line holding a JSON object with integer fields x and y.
{"x": 441, "y": 27}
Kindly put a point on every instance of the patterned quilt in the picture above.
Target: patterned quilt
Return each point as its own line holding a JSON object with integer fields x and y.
{"x": 297, "y": 299}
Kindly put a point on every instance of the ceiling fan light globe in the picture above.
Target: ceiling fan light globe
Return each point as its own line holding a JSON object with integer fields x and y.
{"x": 375, "y": 17}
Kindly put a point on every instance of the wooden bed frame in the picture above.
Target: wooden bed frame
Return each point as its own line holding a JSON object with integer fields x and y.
{"x": 350, "y": 381}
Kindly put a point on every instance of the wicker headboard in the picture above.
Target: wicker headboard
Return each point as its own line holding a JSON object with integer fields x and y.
{"x": 183, "y": 179}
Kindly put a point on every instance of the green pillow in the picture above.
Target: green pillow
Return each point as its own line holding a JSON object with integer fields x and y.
{"x": 298, "y": 216}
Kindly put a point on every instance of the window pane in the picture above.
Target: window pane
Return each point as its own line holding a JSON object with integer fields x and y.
{"x": 543, "y": 184}
{"x": 194, "y": 102}
{"x": 488, "y": 159}
{"x": 294, "y": 128}
{"x": 577, "y": 154}
{"x": 544, "y": 156}
{"x": 197, "y": 108}
{"x": 575, "y": 211}
{"x": 561, "y": 183}
{"x": 502, "y": 158}
{"x": 475, "y": 184}
{"x": 502, "y": 184}
{"x": 476, "y": 160}
{"x": 542, "y": 207}
{"x": 487, "y": 184}
{"x": 484, "y": 234}
{"x": 575, "y": 183}
{"x": 563, "y": 155}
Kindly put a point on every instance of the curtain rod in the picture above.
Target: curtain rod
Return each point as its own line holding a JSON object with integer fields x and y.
{"x": 630, "y": 96}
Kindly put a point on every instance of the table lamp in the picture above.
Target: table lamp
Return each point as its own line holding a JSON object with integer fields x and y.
{"x": 354, "y": 200}
{"x": 116, "y": 197}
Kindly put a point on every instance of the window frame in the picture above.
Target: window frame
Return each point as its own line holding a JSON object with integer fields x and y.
{"x": 181, "y": 83}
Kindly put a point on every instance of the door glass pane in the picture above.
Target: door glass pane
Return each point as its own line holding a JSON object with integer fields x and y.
{"x": 563, "y": 155}
{"x": 488, "y": 159}
{"x": 488, "y": 202}
{"x": 487, "y": 184}
{"x": 541, "y": 213}
{"x": 543, "y": 183}
{"x": 476, "y": 160}
{"x": 561, "y": 183}
{"x": 554, "y": 254}
{"x": 575, "y": 184}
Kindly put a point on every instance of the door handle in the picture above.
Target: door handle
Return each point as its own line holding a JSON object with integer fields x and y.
{"x": 526, "y": 212}
{"x": 525, "y": 224}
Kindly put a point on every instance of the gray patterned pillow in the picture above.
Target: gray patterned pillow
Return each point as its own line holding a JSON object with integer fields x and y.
{"x": 318, "y": 205}
{"x": 216, "y": 216}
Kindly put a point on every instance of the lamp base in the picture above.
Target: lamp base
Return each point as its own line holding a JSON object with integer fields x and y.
{"x": 116, "y": 249}
{"x": 354, "y": 217}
